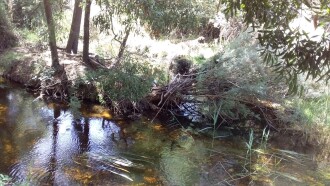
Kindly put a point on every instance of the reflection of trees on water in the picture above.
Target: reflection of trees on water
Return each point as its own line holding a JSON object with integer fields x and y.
{"x": 121, "y": 139}
{"x": 81, "y": 129}
{"x": 8, "y": 147}
{"x": 53, "y": 159}
{"x": 39, "y": 151}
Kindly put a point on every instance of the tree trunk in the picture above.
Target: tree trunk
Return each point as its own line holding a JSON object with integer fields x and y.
{"x": 86, "y": 32}
{"x": 122, "y": 47}
{"x": 72, "y": 44}
{"x": 51, "y": 34}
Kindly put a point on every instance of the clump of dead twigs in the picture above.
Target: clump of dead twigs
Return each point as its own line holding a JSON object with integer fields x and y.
{"x": 234, "y": 81}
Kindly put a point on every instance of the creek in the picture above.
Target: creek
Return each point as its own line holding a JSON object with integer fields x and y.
{"x": 49, "y": 144}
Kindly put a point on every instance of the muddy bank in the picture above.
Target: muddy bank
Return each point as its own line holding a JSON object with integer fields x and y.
{"x": 30, "y": 67}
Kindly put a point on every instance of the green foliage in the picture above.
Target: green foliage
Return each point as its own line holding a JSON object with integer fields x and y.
{"x": 248, "y": 156}
{"x": 199, "y": 60}
{"x": 234, "y": 78}
{"x": 161, "y": 17}
{"x": 185, "y": 17}
{"x": 5, "y": 180}
{"x": 292, "y": 55}
{"x": 30, "y": 14}
{"x": 28, "y": 17}
{"x": 8, "y": 59}
{"x": 289, "y": 50}
{"x": 312, "y": 111}
{"x": 29, "y": 36}
{"x": 7, "y": 37}
{"x": 42, "y": 71}
{"x": 262, "y": 163}
{"x": 132, "y": 80}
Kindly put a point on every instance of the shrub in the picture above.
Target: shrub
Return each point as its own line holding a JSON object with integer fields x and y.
{"x": 235, "y": 78}
{"x": 132, "y": 81}
{"x": 8, "y": 59}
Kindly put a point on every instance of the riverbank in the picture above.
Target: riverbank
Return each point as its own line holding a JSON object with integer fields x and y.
{"x": 229, "y": 94}
{"x": 95, "y": 150}
{"x": 30, "y": 66}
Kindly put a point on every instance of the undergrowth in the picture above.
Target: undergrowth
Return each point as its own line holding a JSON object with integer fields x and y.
{"x": 7, "y": 37}
{"x": 236, "y": 78}
{"x": 131, "y": 81}
{"x": 8, "y": 59}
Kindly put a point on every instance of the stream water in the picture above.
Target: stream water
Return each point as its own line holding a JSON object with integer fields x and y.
{"x": 48, "y": 144}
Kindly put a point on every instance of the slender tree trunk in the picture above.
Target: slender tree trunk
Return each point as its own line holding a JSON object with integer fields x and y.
{"x": 72, "y": 44}
{"x": 86, "y": 31}
{"x": 122, "y": 47}
{"x": 51, "y": 34}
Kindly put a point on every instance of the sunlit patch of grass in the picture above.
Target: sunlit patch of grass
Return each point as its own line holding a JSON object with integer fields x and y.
{"x": 314, "y": 110}
{"x": 199, "y": 60}
{"x": 29, "y": 36}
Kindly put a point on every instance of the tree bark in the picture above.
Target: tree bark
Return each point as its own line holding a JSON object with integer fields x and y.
{"x": 122, "y": 47}
{"x": 86, "y": 31}
{"x": 51, "y": 34}
{"x": 72, "y": 44}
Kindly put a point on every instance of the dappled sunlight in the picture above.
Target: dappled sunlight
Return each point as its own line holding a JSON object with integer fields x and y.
{"x": 97, "y": 111}
{"x": 79, "y": 175}
{"x": 306, "y": 24}
{"x": 97, "y": 149}
{"x": 164, "y": 92}
{"x": 158, "y": 127}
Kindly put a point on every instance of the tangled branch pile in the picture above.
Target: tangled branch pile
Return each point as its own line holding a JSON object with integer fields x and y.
{"x": 235, "y": 85}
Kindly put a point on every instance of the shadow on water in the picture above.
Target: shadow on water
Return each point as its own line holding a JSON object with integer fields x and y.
{"x": 45, "y": 144}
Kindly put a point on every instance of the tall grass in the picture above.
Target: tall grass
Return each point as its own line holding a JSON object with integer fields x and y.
{"x": 313, "y": 110}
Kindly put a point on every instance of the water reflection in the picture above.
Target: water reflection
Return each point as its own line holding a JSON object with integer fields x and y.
{"x": 44, "y": 144}
{"x": 53, "y": 160}
{"x": 38, "y": 142}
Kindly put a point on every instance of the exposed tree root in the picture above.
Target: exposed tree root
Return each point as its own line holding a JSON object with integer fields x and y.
{"x": 55, "y": 88}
